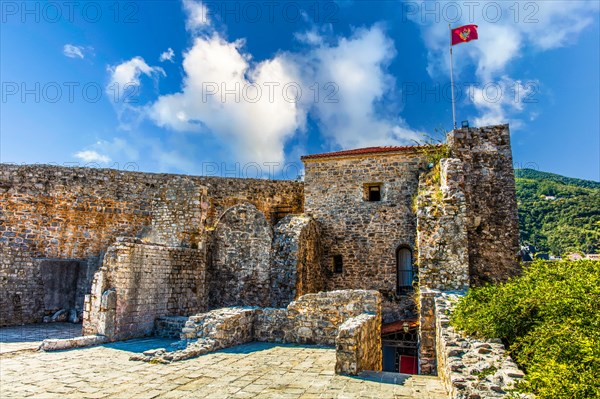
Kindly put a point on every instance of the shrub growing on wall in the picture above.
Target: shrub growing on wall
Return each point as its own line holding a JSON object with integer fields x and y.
{"x": 550, "y": 319}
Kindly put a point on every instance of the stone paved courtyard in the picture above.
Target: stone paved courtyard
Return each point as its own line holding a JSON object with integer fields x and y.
{"x": 260, "y": 370}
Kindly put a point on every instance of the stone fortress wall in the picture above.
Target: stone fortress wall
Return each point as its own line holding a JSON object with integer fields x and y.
{"x": 198, "y": 243}
{"x": 467, "y": 225}
{"x": 49, "y": 212}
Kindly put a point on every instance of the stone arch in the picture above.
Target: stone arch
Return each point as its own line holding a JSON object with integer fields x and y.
{"x": 240, "y": 258}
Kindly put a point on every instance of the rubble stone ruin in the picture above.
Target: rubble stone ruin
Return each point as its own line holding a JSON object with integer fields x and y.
{"x": 355, "y": 256}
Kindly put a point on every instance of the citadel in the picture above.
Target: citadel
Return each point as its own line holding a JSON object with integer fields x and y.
{"x": 363, "y": 255}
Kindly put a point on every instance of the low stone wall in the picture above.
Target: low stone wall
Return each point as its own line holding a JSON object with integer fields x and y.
{"x": 351, "y": 320}
{"x": 169, "y": 326}
{"x": 227, "y": 326}
{"x": 471, "y": 368}
{"x": 317, "y": 317}
{"x": 272, "y": 325}
{"x": 358, "y": 345}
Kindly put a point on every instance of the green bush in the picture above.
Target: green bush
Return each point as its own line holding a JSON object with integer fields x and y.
{"x": 550, "y": 319}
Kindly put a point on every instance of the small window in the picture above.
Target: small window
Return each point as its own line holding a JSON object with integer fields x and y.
{"x": 405, "y": 271}
{"x": 373, "y": 192}
{"x": 338, "y": 263}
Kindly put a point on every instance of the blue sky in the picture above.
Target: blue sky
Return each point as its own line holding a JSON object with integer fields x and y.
{"x": 244, "y": 88}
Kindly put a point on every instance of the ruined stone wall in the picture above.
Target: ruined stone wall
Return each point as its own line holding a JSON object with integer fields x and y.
{"x": 366, "y": 234}
{"x": 470, "y": 367}
{"x": 493, "y": 231}
{"x": 240, "y": 264}
{"x": 316, "y": 318}
{"x": 76, "y": 213}
{"x": 358, "y": 345}
{"x": 226, "y": 326}
{"x": 272, "y": 325}
{"x": 169, "y": 326}
{"x": 443, "y": 247}
{"x": 59, "y": 212}
{"x": 442, "y": 229}
{"x": 313, "y": 318}
{"x": 139, "y": 282}
{"x": 296, "y": 266}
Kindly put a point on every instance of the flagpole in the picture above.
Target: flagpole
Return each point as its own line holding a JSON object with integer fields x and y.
{"x": 452, "y": 78}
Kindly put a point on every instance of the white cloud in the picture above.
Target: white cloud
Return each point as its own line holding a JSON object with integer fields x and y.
{"x": 105, "y": 151}
{"x": 311, "y": 37}
{"x": 196, "y": 15}
{"x": 128, "y": 73}
{"x": 248, "y": 107}
{"x": 92, "y": 156}
{"x": 341, "y": 86}
{"x": 167, "y": 55}
{"x": 497, "y": 102}
{"x": 123, "y": 89}
{"x": 73, "y": 51}
{"x": 542, "y": 25}
{"x": 255, "y": 121}
{"x": 355, "y": 68}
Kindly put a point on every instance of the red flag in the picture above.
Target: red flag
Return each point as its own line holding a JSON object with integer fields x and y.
{"x": 464, "y": 34}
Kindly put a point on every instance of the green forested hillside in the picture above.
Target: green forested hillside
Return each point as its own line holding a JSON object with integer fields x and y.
{"x": 558, "y": 214}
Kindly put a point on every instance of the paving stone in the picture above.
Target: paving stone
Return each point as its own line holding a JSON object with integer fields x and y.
{"x": 255, "y": 370}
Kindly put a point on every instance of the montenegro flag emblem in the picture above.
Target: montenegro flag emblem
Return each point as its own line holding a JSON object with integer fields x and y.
{"x": 464, "y": 34}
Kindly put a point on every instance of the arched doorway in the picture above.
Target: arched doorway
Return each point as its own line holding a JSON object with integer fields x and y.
{"x": 404, "y": 270}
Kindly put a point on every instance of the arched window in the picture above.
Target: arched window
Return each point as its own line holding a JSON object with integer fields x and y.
{"x": 405, "y": 271}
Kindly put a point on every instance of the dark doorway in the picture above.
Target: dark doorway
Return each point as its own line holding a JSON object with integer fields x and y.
{"x": 399, "y": 346}
{"x": 405, "y": 271}
{"x": 60, "y": 279}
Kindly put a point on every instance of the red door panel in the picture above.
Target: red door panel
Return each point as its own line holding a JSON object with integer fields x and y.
{"x": 408, "y": 364}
